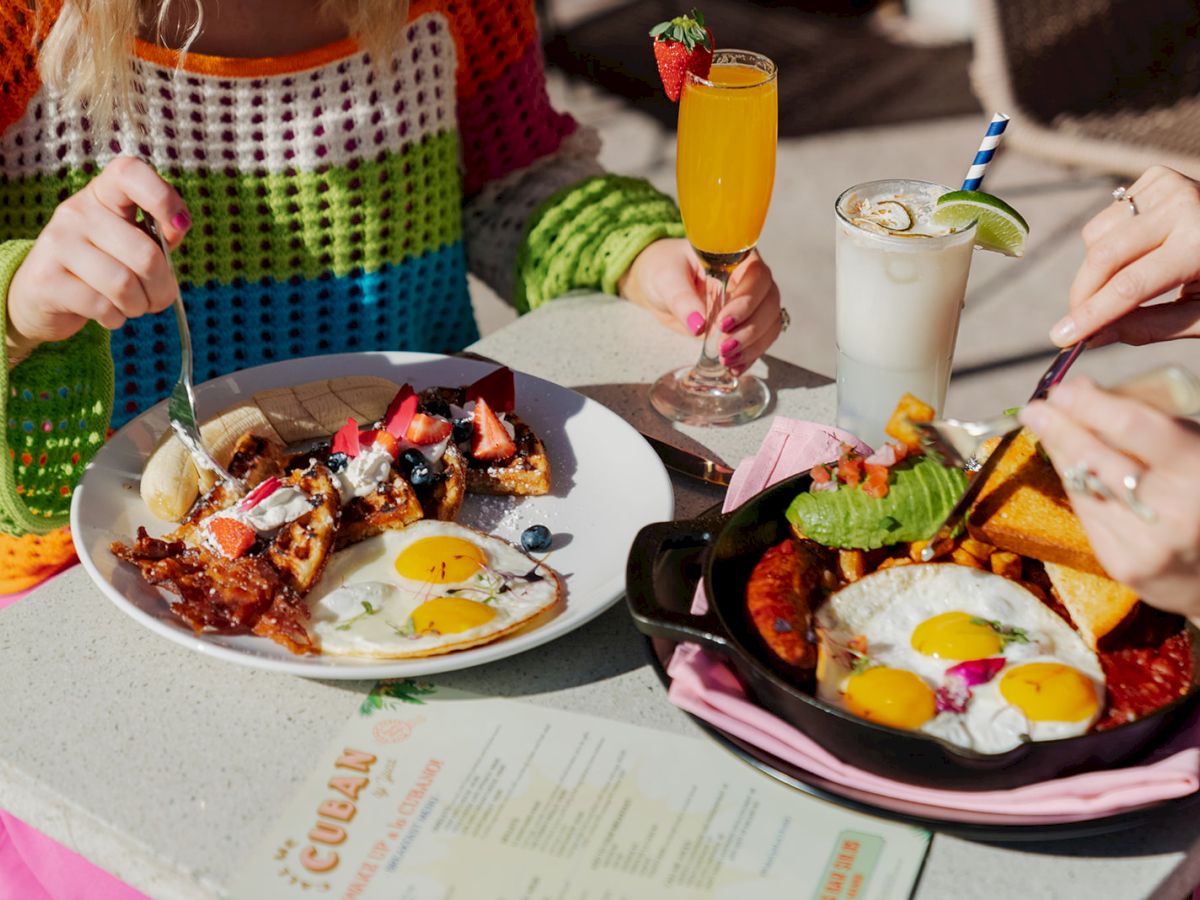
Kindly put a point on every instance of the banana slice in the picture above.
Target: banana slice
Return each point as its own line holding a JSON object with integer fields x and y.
{"x": 170, "y": 483}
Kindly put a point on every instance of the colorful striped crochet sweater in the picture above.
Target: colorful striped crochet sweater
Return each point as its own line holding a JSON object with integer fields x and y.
{"x": 337, "y": 205}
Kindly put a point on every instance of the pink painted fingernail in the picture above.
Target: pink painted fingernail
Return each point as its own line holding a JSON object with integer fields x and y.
{"x": 728, "y": 347}
{"x": 1065, "y": 331}
{"x": 182, "y": 221}
{"x": 728, "y": 324}
{"x": 729, "y": 360}
{"x": 695, "y": 322}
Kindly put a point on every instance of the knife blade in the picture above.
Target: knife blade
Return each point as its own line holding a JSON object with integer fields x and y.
{"x": 1052, "y": 376}
{"x": 691, "y": 464}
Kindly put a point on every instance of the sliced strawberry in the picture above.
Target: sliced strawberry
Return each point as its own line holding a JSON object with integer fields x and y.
{"x": 233, "y": 537}
{"x": 260, "y": 493}
{"x": 682, "y": 45}
{"x": 380, "y": 438}
{"x": 489, "y": 438}
{"x": 876, "y": 484}
{"x": 425, "y": 429}
{"x": 400, "y": 411}
{"x": 496, "y": 388}
{"x": 346, "y": 440}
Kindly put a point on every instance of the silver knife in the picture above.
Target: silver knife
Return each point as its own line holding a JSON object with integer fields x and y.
{"x": 687, "y": 463}
{"x": 1052, "y": 376}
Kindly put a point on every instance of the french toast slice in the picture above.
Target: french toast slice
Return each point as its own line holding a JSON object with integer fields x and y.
{"x": 526, "y": 472}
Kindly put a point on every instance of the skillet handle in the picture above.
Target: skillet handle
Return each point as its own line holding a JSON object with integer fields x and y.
{"x": 641, "y": 580}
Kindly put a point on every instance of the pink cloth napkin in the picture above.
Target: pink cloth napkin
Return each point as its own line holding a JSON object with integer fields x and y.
{"x": 704, "y": 685}
{"x": 34, "y": 867}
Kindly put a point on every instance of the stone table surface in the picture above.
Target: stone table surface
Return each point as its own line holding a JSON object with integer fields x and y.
{"x": 164, "y": 766}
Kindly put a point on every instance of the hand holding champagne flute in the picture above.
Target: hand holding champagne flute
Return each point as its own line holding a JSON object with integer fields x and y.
{"x": 725, "y": 169}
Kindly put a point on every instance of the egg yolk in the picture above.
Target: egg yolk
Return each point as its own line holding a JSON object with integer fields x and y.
{"x": 440, "y": 560}
{"x": 889, "y": 696}
{"x": 1050, "y": 692}
{"x": 450, "y": 615}
{"x": 956, "y": 635}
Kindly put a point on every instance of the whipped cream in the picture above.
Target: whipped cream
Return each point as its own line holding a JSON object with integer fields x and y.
{"x": 283, "y": 505}
{"x": 364, "y": 473}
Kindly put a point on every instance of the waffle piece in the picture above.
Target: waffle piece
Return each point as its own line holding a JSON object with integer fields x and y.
{"x": 526, "y": 472}
{"x": 260, "y": 592}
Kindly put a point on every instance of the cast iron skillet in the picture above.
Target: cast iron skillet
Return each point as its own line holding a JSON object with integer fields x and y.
{"x": 734, "y": 542}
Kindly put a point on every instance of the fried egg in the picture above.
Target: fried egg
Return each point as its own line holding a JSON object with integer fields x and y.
{"x": 959, "y": 653}
{"x": 431, "y": 588}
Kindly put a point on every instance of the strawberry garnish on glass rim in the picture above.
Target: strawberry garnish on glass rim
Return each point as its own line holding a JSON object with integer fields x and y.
{"x": 682, "y": 45}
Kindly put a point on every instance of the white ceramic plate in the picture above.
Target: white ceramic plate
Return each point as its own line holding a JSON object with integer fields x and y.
{"x": 607, "y": 484}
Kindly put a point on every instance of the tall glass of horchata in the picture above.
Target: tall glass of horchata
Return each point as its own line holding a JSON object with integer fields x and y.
{"x": 900, "y": 287}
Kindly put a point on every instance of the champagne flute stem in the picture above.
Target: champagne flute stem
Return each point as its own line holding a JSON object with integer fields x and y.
{"x": 709, "y": 374}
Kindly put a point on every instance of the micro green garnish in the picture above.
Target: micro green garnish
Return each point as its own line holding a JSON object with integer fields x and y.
{"x": 861, "y": 664}
{"x": 1008, "y": 634}
{"x": 405, "y": 630}
{"x": 1013, "y": 410}
{"x": 493, "y": 583}
{"x": 368, "y": 610}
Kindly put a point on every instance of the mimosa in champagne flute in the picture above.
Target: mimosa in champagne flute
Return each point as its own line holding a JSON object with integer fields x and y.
{"x": 725, "y": 168}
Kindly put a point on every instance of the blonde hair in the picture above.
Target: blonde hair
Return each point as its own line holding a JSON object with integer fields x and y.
{"x": 86, "y": 57}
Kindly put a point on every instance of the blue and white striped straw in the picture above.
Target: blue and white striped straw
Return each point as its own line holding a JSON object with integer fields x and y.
{"x": 987, "y": 149}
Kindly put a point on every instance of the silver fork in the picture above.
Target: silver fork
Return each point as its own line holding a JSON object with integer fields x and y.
{"x": 1171, "y": 389}
{"x": 181, "y": 405}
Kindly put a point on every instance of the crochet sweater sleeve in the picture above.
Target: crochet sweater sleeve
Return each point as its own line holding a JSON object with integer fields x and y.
{"x": 56, "y": 404}
{"x": 541, "y": 217}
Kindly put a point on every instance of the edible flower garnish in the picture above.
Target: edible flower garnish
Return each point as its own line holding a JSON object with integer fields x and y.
{"x": 260, "y": 493}
{"x": 955, "y": 694}
{"x": 346, "y": 440}
{"x": 400, "y": 411}
{"x": 497, "y": 388}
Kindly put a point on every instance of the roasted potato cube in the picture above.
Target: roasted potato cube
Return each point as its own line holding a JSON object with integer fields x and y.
{"x": 977, "y": 549}
{"x": 1006, "y": 564}
{"x": 900, "y": 426}
{"x": 963, "y": 558}
{"x": 852, "y": 565}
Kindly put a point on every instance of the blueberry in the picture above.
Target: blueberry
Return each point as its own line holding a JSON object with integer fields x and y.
{"x": 410, "y": 459}
{"x": 438, "y": 407}
{"x": 462, "y": 429}
{"x": 337, "y": 462}
{"x": 535, "y": 537}
{"x": 420, "y": 474}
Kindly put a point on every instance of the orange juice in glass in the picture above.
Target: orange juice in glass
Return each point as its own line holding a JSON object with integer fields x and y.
{"x": 724, "y": 171}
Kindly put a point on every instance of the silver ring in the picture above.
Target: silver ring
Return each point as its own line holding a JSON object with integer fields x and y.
{"x": 1081, "y": 479}
{"x": 785, "y": 319}
{"x": 1130, "y": 482}
{"x": 1122, "y": 193}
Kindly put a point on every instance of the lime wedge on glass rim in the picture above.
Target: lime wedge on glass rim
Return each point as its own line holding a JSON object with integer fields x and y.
{"x": 999, "y": 227}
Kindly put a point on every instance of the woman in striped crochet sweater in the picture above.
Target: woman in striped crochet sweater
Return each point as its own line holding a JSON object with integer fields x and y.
{"x": 327, "y": 172}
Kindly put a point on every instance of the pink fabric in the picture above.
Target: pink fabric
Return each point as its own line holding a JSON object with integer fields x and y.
{"x": 705, "y": 686}
{"x": 34, "y": 867}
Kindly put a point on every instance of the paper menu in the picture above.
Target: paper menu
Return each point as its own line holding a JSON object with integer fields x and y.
{"x": 432, "y": 794}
